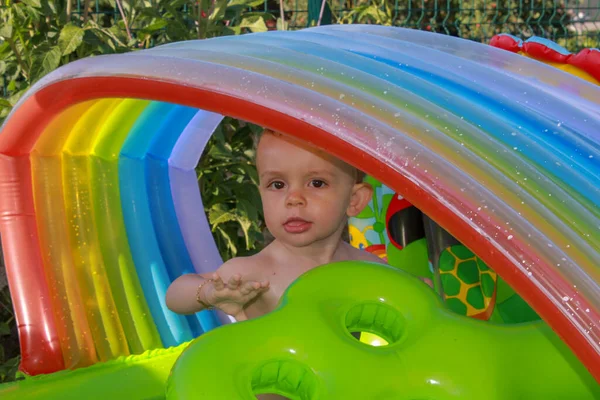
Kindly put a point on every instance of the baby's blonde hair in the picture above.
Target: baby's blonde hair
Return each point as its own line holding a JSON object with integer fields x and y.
{"x": 359, "y": 175}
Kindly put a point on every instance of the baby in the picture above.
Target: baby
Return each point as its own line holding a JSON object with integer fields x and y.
{"x": 307, "y": 197}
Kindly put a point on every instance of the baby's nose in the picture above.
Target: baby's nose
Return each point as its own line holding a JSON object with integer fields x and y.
{"x": 295, "y": 198}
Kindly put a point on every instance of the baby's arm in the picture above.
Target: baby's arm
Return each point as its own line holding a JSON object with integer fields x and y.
{"x": 181, "y": 295}
{"x": 223, "y": 289}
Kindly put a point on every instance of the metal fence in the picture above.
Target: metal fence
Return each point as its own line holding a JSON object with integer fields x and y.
{"x": 574, "y": 24}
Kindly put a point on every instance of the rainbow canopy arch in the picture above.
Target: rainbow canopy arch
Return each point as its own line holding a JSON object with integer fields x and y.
{"x": 101, "y": 210}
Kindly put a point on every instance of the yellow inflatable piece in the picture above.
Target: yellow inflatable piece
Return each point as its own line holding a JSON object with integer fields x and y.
{"x": 107, "y": 331}
{"x": 571, "y": 69}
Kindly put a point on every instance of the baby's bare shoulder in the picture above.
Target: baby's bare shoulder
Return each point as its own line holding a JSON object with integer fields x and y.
{"x": 248, "y": 267}
{"x": 361, "y": 255}
{"x": 366, "y": 256}
{"x": 236, "y": 265}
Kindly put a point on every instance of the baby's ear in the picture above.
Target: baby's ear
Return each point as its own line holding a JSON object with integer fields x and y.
{"x": 361, "y": 195}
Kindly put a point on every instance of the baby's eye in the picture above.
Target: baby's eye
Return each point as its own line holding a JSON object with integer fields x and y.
{"x": 278, "y": 185}
{"x": 317, "y": 183}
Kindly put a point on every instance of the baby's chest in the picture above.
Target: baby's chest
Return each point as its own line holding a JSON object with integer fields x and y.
{"x": 281, "y": 280}
{"x": 278, "y": 284}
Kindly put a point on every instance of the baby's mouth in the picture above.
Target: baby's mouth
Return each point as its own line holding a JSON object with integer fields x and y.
{"x": 296, "y": 225}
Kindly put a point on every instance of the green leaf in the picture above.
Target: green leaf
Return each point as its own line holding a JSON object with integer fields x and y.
{"x": 116, "y": 34}
{"x": 245, "y": 224}
{"x": 150, "y": 12}
{"x": 9, "y": 369}
{"x": 176, "y": 5}
{"x": 245, "y": 3}
{"x": 219, "y": 214}
{"x": 177, "y": 31}
{"x": 5, "y": 50}
{"x": 49, "y": 7}
{"x": 250, "y": 172}
{"x": 220, "y": 151}
{"x": 45, "y": 59}
{"x": 218, "y": 11}
{"x": 247, "y": 210}
{"x": 156, "y": 26}
{"x": 70, "y": 38}
{"x": 4, "y": 329}
{"x": 5, "y": 104}
{"x": 15, "y": 97}
{"x": 282, "y": 25}
{"x": 32, "y": 3}
{"x": 18, "y": 12}
{"x": 6, "y": 31}
{"x": 229, "y": 242}
{"x": 33, "y": 13}
{"x": 254, "y": 23}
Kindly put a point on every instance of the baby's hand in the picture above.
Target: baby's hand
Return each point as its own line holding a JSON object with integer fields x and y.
{"x": 233, "y": 296}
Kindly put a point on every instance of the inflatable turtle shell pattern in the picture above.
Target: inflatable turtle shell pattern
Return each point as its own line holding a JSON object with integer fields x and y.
{"x": 393, "y": 229}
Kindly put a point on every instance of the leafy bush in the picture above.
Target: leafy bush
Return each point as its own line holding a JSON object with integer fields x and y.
{"x": 37, "y": 36}
{"x": 228, "y": 185}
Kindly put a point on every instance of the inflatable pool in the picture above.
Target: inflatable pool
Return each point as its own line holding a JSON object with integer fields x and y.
{"x": 101, "y": 210}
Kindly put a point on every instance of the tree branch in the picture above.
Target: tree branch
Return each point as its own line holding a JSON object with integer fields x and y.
{"x": 124, "y": 19}
{"x": 20, "y": 61}
{"x": 323, "y": 3}
{"x": 282, "y": 13}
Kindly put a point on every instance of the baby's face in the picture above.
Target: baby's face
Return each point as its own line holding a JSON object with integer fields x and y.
{"x": 305, "y": 192}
